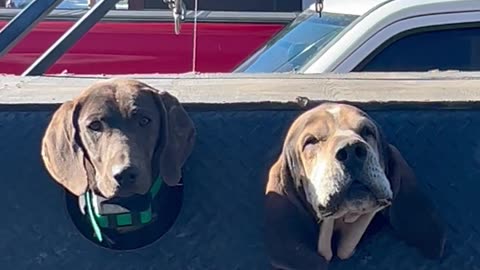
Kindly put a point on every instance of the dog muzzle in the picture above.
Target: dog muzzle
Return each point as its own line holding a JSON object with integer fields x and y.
{"x": 118, "y": 213}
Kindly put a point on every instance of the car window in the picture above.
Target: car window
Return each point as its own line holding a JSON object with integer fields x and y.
{"x": 297, "y": 42}
{"x": 443, "y": 48}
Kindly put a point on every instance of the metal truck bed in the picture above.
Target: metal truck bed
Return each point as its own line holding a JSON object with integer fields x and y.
{"x": 433, "y": 118}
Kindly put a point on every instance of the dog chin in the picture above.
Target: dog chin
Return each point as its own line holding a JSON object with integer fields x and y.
{"x": 125, "y": 192}
{"x": 334, "y": 192}
{"x": 355, "y": 201}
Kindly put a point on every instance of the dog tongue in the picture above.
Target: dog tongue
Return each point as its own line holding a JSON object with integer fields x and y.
{"x": 350, "y": 217}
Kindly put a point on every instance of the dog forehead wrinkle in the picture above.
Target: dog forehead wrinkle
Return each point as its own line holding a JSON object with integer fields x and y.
{"x": 137, "y": 101}
{"x": 98, "y": 105}
{"x": 341, "y": 119}
{"x": 345, "y": 132}
{"x": 313, "y": 124}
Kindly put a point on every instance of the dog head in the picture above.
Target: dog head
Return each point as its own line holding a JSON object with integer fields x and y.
{"x": 116, "y": 138}
{"x": 339, "y": 153}
{"x": 342, "y": 168}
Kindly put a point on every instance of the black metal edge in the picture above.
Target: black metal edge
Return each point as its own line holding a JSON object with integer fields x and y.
{"x": 275, "y": 106}
{"x": 24, "y": 22}
{"x": 166, "y": 16}
{"x": 67, "y": 40}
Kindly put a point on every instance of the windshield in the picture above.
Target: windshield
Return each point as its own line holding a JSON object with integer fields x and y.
{"x": 297, "y": 42}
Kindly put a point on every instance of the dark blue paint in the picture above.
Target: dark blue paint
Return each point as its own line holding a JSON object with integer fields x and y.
{"x": 220, "y": 224}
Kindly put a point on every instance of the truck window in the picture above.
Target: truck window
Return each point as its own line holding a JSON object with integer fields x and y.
{"x": 449, "y": 47}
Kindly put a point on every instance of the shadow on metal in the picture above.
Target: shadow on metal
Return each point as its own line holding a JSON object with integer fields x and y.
{"x": 168, "y": 206}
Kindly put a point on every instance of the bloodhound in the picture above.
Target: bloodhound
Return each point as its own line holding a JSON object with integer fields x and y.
{"x": 116, "y": 138}
{"x": 336, "y": 171}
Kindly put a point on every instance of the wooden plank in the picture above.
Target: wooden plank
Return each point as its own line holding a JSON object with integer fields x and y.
{"x": 430, "y": 87}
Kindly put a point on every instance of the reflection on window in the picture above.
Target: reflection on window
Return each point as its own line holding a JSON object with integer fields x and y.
{"x": 448, "y": 49}
{"x": 297, "y": 43}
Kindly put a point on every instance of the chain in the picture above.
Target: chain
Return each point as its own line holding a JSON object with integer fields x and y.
{"x": 179, "y": 10}
{"x": 319, "y": 7}
{"x": 194, "y": 53}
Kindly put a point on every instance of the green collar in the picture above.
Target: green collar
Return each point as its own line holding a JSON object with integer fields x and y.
{"x": 120, "y": 220}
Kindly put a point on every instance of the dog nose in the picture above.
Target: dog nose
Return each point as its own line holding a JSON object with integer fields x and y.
{"x": 125, "y": 175}
{"x": 352, "y": 152}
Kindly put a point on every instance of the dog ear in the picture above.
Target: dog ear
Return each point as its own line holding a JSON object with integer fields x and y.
{"x": 412, "y": 214}
{"x": 61, "y": 153}
{"x": 175, "y": 141}
{"x": 291, "y": 235}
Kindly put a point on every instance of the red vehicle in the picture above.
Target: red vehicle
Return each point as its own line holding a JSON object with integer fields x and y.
{"x": 126, "y": 42}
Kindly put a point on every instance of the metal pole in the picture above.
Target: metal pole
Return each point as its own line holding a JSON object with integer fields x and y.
{"x": 70, "y": 37}
{"x": 23, "y": 22}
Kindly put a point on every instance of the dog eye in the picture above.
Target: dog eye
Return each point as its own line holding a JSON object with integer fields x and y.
{"x": 95, "y": 125}
{"x": 367, "y": 132}
{"x": 310, "y": 140}
{"x": 144, "y": 121}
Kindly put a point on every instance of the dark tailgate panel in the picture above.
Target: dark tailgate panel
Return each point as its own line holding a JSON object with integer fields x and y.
{"x": 220, "y": 223}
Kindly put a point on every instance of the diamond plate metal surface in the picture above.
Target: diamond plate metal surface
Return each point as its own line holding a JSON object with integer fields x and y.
{"x": 220, "y": 225}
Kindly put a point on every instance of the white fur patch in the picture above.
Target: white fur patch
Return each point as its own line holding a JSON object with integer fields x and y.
{"x": 324, "y": 245}
{"x": 327, "y": 178}
{"x": 335, "y": 111}
{"x": 346, "y": 133}
{"x": 323, "y": 184}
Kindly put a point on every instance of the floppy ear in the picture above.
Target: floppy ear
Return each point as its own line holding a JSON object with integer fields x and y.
{"x": 291, "y": 233}
{"x": 412, "y": 214}
{"x": 175, "y": 141}
{"x": 61, "y": 153}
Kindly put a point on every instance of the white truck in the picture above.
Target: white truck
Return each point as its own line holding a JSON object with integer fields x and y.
{"x": 375, "y": 35}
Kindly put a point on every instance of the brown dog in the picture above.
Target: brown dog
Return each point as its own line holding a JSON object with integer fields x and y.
{"x": 116, "y": 138}
{"x": 335, "y": 173}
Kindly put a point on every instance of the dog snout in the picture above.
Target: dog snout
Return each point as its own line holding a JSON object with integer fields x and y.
{"x": 125, "y": 175}
{"x": 352, "y": 153}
